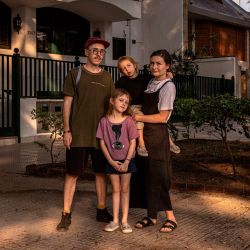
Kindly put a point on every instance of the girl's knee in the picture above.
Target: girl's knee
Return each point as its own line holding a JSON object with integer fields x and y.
{"x": 125, "y": 190}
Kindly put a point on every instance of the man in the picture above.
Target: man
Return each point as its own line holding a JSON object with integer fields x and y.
{"x": 84, "y": 105}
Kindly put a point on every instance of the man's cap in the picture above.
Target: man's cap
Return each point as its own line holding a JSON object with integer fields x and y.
{"x": 92, "y": 40}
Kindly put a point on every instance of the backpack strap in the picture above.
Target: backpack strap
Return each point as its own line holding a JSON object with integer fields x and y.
{"x": 75, "y": 99}
{"x": 78, "y": 75}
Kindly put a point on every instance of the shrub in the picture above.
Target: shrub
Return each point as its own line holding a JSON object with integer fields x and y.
{"x": 223, "y": 113}
{"x": 53, "y": 122}
{"x": 184, "y": 110}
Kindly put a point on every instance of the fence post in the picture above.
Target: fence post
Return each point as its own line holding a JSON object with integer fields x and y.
{"x": 16, "y": 80}
{"x": 223, "y": 89}
{"x": 77, "y": 61}
{"x": 232, "y": 90}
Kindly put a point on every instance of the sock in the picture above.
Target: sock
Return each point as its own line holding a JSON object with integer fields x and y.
{"x": 101, "y": 206}
{"x": 66, "y": 212}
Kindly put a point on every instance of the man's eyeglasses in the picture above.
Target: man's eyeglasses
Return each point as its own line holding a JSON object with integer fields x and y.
{"x": 96, "y": 51}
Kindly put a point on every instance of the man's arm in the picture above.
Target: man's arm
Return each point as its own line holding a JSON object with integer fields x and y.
{"x": 67, "y": 137}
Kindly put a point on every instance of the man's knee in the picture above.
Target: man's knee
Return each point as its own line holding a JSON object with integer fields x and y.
{"x": 70, "y": 179}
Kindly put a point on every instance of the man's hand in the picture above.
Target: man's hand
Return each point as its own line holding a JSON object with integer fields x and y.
{"x": 67, "y": 139}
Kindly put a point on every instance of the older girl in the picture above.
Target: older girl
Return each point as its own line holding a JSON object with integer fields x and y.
{"x": 117, "y": 133}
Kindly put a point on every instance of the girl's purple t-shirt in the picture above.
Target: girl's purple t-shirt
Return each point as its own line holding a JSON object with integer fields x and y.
{"x": 128, "y": 132}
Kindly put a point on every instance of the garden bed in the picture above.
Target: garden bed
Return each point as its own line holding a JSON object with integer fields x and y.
{"x": 201, "y": 165}
{"x": 204, "y": 164}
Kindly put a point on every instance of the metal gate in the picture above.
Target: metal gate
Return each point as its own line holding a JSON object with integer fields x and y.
{"x": 9, "y": 96}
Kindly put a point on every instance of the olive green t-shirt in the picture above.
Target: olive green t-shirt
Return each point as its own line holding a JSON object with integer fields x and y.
{"x": 90, "y": 100}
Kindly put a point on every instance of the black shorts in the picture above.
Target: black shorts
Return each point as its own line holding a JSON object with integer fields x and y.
{"x": 131, "y": 168}
{"x": 77, "y": 158}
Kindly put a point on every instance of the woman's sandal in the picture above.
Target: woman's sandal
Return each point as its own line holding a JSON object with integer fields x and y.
{"x": 145, "y": 222}
{"x": 168, "y": 224}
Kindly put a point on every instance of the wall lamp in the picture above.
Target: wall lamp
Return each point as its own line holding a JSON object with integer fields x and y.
{"x": 17, "y": 22}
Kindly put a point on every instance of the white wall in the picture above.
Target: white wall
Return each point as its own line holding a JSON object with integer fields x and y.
{"x": 243, "y": 4}
{"x": 162, "y": 26}
{"x": 27, "y": 125}
{"x": 25, "y": 41}
{"x": 216, "y": 67}
{"x": 130, "y": 30}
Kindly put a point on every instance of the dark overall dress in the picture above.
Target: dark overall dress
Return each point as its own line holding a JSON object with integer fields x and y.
{"x": 150, "y": 185}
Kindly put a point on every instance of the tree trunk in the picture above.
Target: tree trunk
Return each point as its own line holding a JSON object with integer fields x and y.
{"x": 225, "y": 142}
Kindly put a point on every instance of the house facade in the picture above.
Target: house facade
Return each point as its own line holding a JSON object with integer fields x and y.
{"x": 217, "y": 32}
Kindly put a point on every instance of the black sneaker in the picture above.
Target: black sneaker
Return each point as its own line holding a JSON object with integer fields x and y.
{"x": 102, "y": 215}
{"x": 64, "y": 223}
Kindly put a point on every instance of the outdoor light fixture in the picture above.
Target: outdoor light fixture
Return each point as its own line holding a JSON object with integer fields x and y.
{"x": 17, "y": 22}
{"x": 189, "y": 55}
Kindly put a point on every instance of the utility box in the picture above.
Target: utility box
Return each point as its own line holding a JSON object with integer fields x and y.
{"x": 48, "y": 106}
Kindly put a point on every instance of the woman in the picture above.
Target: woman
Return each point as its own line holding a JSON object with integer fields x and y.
{"x": 157, "y": 106}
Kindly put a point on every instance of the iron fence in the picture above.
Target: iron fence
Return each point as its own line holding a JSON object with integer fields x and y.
{"x": 197, "y": 87}
{"x": 29, "y": 77}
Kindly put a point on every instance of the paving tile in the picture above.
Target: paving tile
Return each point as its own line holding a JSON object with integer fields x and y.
{"x": 31, "y": 208}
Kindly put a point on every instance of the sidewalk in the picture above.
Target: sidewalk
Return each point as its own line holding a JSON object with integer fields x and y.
{"x": 31, "y": 208}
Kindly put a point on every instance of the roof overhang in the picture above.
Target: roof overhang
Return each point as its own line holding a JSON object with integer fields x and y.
{"x": 92, "y": 10}
{"x": 228, "y": 11}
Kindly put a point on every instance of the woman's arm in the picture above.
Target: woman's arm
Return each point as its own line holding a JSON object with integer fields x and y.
{"x": 114, "y": 164}
{"x": 160, "y": 117}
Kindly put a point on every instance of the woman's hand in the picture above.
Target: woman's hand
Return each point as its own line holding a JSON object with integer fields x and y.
{"x": 136, "y": 117}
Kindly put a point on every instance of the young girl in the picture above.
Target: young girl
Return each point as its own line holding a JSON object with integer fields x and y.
{"x": 117, "y": 133}
{"x": 136, "y": 84}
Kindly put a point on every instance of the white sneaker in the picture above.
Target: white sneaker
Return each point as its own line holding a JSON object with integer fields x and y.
{"x": 175, "y": 149}
{"x": 112, "y": 226}
{"x": 126, "y": 228}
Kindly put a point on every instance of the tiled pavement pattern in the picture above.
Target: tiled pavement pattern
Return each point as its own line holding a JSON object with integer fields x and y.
{"x": 31, "y": 208}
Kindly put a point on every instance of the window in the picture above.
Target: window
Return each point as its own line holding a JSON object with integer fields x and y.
{"x": 119, "y": 47}
{"x": 61, "y": 32}
{"x": 5, "y": 26}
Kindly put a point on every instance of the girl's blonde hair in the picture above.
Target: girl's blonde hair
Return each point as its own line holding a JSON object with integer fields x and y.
{"x": 129, "y": 58}
{"x": 117, "y": 93}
